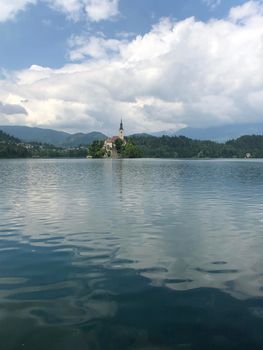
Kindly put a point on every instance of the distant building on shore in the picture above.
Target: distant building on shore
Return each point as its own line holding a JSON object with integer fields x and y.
{"x": 248, "y": 156}
{"x": 109, "y": 143}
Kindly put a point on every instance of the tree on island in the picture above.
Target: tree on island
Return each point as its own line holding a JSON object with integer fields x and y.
{"x": 119, "y": 145}
{"x": 96, "y": 149}
{"x": 127, "y": 149}
{"x": 123, "y": 149}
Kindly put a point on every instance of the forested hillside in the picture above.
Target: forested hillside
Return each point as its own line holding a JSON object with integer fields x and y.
{"x": 11, "y": 147}
{"x": 142, "y": 146}
{"x": 183, "y": 147}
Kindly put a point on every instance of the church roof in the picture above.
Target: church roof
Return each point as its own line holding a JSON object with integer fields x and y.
{"x": 112, "y": 139}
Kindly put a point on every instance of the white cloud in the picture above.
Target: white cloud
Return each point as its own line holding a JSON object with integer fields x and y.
{"x": 9, "y": 9}
{"x": 187, "y": 72}
{"x": 93, "y": 10}
{"x": 73, "y": 9}
{"x": 95, "y": 47}
{"x": 249, "y": 11}
{"x": 212, "y": 3}
{"x": 98, "y": 10}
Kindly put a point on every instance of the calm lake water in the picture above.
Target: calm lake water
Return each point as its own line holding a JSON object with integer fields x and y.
{"x": 131, "y": 254}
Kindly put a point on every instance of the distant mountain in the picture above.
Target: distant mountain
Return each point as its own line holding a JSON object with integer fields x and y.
{"x": 64, "y": 139}
{"x": 164, "y": 133}
{"x": 83, "y": 139}
{"x": 142, "y": 134}
{"x": 218, "y": 133}
{"x": 53, "y": 137}
{"x": 29, "y": 134}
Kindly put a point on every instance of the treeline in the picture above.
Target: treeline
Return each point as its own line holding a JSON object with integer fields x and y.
{"x": 11, "y": 147}
{"x": 139, "y": 146}
{"x": 7, "y": 138}
{"x": 8, "y": 150}
{"x": 128, "y": 149}
{"x": 247, "y": 144}
{"x": 183, "y": 147}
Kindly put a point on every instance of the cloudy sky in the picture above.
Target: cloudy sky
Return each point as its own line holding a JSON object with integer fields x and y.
{"x": 81, "y": 65}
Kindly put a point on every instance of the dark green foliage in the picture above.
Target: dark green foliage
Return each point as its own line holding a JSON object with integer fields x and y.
{"x": 139, "y": 146}
{"x": 247, "y": 144}
{"x": 146, "y": 146}
{"x": 96, "y": 149}
{"x": 131, "y": 151}
{"x": 7, "y": 138}
{"x": 122, "y": 150}
{"x": 183, "y": 147}
{"x": 128, "y": 149}
{"x": 50, "y": 151}
{"x": 11, "y": 147}
{"x": 119, "y": 145}
{"x": 8, "y": 150}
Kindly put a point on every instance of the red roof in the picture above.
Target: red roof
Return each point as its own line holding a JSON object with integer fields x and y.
{"x": 112, "y": 139}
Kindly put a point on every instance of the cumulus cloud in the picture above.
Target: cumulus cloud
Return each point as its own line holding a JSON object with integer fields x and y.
{"x": 9, "y": 9}
{"x": 98, "y": 10}
{"x": 186, "y": 72}
{"x": 82, "y": 46}
{"x": 93, "y": 10}
{"x": 249, "y": 11}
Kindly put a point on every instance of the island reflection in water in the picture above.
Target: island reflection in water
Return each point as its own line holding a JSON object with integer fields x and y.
{"x": 131, "y": 254}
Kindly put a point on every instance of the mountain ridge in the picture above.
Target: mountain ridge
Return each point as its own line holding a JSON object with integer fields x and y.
{"x": 63, "y": 139}
{"x": 220, "y": 133}
{"x": 51, "y": 136}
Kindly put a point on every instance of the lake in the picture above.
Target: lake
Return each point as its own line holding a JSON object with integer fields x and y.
{"x": 131, "y": 254}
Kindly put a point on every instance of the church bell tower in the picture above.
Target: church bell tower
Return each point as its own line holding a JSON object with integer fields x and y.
{"x": 121, "y": 131}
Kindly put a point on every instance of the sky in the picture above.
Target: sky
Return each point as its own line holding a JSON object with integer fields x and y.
{"x": 81, "y": 65}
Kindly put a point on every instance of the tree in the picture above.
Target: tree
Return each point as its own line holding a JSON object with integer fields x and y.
{"x": 131, "y": 151}
{"x": 119, "y": 145}
{"x": 96, "y": 149}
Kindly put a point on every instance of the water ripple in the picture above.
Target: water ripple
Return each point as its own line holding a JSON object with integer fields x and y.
{"x": 88, "y": 244}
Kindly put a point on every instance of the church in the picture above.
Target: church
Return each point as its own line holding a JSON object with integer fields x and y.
{"x": 109, "y": 143}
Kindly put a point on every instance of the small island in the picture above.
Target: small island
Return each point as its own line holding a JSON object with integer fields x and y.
{"x": 115, "y": 147}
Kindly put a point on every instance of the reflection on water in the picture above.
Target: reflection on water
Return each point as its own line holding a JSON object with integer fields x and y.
{"x": 138, "y": 254}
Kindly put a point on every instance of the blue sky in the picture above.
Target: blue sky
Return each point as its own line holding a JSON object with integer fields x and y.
{"x": 39, "y": 34}
{"x": 82, "y": 64}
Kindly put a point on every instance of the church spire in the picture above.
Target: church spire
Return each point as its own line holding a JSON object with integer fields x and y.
{"x": 121, "y": 131}
{"x": 121, "y": 125}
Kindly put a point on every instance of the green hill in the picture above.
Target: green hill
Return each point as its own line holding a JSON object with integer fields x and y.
{"x": 184, "y": 147}
{"x": 78, "y": 139}
{"x": 29, "y": 134}
{"x": 52, "y": 137}
{"x": 148, "y": 146}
